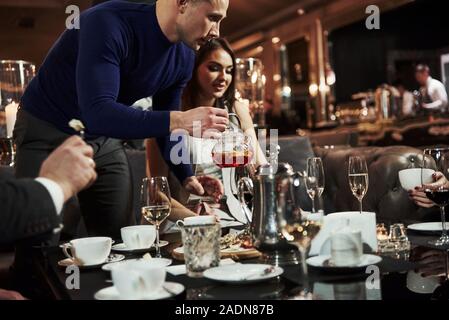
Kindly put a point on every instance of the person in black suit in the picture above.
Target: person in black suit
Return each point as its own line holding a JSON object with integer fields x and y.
{"x": 29, "y": 207}
{"x": 32, "y": 207}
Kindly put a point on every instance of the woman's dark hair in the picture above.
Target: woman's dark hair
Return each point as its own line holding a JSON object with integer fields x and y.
{"x": 192, "y": 88}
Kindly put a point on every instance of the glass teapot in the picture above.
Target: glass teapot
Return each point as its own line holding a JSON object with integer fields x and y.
{"x": 233, "y": 149}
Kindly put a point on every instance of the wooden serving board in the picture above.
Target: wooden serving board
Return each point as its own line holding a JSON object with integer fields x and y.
{"x": 234, "y": 254}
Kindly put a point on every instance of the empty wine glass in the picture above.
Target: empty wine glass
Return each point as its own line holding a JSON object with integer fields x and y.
{"x": 156, "y": 203}
{"x": 300, "y": 229}
{"x": 314, "y": 179}
{"x": 358, "y": 178}
{"x": 437, "y": 159}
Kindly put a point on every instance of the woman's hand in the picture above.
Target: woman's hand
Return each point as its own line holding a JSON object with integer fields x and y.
{"x": 205, "y": 186}
{"x": 10, "y": 295}
{"x": 419, "y": 197}
{"x": 432, "y": 262}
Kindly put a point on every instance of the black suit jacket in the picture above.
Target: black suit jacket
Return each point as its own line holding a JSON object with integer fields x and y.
{"x": 26, "y": 210}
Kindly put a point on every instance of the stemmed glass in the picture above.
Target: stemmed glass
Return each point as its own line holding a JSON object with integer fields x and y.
{"x": 358, "y": 178}
{"x": 314, "y": 179}
{"x": 437, "y": 159}
{"x": 156, "y": 203}
{"x": 300, "y": 229}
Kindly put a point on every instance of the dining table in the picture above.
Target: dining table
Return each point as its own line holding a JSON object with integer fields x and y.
{"x": 390, "y": 284}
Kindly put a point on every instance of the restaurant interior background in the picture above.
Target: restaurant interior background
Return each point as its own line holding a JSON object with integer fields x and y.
{"x": 327, "y": 87}
{"x": 321, "y": 65}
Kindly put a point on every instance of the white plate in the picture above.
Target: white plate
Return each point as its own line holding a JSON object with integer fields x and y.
{"x": 322, "y": 262}
{"x": 428, "y": 226}
{"x": 121, "y": 247}
{"x": 111, "y": 293}
{"x": 242, "y": 273}
{"x": 110, "y": 266}
{"x": 113, "y": 258}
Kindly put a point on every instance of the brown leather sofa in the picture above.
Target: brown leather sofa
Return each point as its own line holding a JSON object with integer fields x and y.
{"x": 385, "y": 195}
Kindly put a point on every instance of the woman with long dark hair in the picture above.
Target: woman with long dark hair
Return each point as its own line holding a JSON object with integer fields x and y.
{"x": 212, "y": 84}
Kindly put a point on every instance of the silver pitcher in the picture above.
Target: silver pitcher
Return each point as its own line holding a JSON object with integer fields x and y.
{"x": 273, "y": 202}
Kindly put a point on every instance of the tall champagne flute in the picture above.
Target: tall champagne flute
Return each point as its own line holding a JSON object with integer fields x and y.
{"x": 156, "y": 203}
{"x": 437, "y": 159}
{"x": 314, "y": 179}
{"x": 358, "y": 178}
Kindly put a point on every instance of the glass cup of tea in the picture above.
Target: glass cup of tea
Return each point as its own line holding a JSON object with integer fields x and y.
{"x": 201, "y": 244}
{"x": 232, "y": 150}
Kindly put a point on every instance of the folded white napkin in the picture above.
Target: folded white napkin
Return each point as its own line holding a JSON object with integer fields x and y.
{"x": 181, "y": 268}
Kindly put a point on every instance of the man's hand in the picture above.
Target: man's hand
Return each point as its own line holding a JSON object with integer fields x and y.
{"x": 204, "y": 185}
{"x": 208, "y": 117}
{"x": 71, "y": 166}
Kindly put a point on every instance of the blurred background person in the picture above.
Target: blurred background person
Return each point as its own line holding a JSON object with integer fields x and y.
{"x": 433, "y": 92}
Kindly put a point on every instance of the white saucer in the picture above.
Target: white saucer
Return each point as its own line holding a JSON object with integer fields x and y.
{"x": 428, "y": 226}
{"x": 111, "y": 259}
{"x": 108, "y": 267}
{"x": 242, "y": 273}
{"x": 121, "y": 247}
{"x": 173, "y": 289}
{"x": 322, "y": 262}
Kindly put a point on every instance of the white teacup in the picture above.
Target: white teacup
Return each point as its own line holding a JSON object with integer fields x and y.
{"x": 422, "y": 285}
{"x": 346, "y": 248}
{"x": 88, "y": 251}
{"x": 410, "y": 178}
{"x": 138, "y": 237}
{"x": 138, "y": 279}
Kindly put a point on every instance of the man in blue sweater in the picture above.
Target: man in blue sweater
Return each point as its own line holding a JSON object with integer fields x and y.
{"x": 123, "y": 52}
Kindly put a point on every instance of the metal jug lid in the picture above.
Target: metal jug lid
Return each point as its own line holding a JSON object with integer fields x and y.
{"x": 265, "y": 170}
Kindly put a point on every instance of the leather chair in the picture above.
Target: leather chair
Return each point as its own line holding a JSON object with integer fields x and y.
{"x": 385, "y": 195}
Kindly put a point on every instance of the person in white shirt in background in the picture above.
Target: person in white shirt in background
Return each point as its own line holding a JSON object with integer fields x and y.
{"x": 433, "y": 91}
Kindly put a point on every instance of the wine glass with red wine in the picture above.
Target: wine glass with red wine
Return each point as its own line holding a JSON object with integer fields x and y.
{"x": 438, "y": 160}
